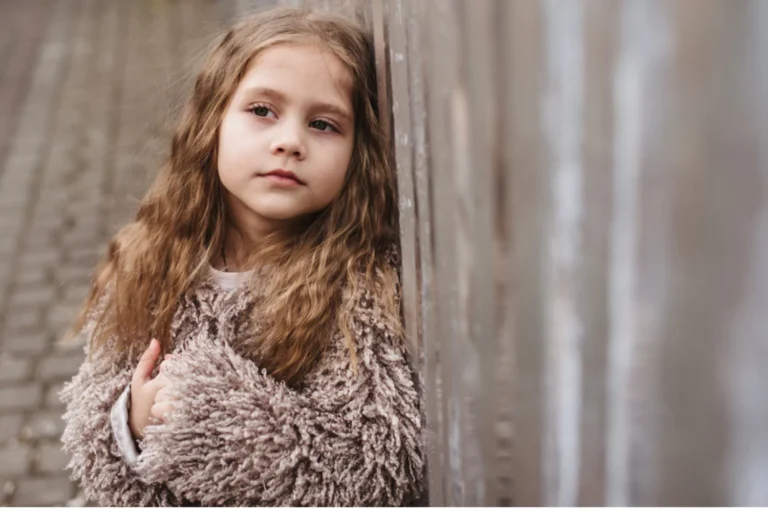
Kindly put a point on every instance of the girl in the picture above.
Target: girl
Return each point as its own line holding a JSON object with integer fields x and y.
{"x": 262, "y": 259}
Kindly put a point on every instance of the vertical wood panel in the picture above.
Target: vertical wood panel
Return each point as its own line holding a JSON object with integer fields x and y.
{"x": 600, "y": 31}
{"x": 747, "y": 462}
{"x": 442, "y": 82}
{"x": 483, "y": 165}
{"x": 524, "y": 193}
{"x": 433, "y": 392}
{"x": 404, "y": 142}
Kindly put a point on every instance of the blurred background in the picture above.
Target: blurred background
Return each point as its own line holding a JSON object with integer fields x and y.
{"x": 584, "y": 223}
{"x": 88, "y": 92}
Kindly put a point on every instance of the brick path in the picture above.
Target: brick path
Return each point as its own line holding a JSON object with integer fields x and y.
{"x": 87, "y": 88}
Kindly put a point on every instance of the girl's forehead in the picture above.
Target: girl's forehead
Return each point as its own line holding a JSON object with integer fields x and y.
{"x": 298, "y": 65}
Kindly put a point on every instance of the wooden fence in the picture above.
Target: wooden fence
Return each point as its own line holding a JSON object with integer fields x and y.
{"x": 584, "y": 217}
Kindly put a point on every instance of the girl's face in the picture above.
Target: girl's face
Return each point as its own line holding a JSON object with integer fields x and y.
{"x": 286, "y": 139}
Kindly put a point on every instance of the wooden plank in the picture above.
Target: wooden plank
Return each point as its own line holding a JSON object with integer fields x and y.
{"x": 523, "y": 193}
{"x": 561, "y": 111}
{"x": 476, "y": 179}
{"x": 442, "y": 79}
{"x": 462, "y": 351}
{"x": 706, "y": 134}
{"x": 415, "y": 12}
{"x": 403, "y": 150}
{"x": 379, "y": 29}
{"x": 600, "y": 32}
{"x": 503, "y": 433}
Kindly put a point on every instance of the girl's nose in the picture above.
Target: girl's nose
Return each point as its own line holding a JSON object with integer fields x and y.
{"x": 289, "y": 142}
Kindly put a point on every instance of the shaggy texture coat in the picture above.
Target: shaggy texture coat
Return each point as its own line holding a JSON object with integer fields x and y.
{"x": 240, "y": 438}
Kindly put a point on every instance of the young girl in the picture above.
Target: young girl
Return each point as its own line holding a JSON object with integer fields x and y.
{"x": 262, "y": 262}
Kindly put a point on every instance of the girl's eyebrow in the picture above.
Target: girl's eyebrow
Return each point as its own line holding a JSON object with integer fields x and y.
{"x": 265, "y": 91}
{"x": 281, "y": 98}
{"x": 332, "y": 109}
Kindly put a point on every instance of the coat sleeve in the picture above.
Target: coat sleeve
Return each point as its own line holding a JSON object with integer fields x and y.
{"x": 95, "y": 459}
{"x": 240, "y": 438}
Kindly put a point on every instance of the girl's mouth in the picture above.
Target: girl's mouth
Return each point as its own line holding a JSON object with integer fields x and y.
{"x": 283, "y": 177}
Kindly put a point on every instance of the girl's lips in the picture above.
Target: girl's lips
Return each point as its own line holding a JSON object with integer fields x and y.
{"x": 282, "y": 176}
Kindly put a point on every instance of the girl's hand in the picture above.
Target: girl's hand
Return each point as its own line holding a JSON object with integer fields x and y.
{"x": 143, "y": 391}
{"x": 164, "y": 398}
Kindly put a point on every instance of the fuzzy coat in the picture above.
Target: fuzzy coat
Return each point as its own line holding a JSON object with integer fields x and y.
{"x": 240, "y": 438}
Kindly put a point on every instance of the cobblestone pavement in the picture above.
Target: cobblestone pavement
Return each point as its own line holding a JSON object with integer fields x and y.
{"x": 87, "y": 89}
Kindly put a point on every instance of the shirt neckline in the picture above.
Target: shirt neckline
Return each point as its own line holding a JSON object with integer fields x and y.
{"x": 229, "y": 281}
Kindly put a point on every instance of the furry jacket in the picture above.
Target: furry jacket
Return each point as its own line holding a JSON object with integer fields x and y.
{"x": 237, "y": 436}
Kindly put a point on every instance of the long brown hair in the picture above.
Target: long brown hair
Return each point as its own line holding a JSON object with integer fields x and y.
{"x": 315, "y": 278}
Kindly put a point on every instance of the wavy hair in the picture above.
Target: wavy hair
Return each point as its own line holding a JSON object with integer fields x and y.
{"x": 317, "y": 277}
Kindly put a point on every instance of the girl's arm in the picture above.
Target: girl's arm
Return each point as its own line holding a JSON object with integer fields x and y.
{"x": 96, "y": 461}
{"x": 237, "y": 437}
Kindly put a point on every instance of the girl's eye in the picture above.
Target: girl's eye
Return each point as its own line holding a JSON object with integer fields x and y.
{"x": 323, "y": 126}
{"x": 261, "y": 111}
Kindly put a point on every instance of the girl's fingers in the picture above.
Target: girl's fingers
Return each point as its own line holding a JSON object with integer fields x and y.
{"x": 165, "y": 395}
{"x": 160, "y": 410}
{"x": 147, "y": 363}
{"x": 157, "y": 384}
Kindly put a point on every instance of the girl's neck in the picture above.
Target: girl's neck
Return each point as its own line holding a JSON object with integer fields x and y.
{"x": 232, "y": 254}
{"x": 239, "y": 245}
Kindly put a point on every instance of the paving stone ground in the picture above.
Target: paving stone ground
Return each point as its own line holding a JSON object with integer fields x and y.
{"x": 88, "y": 91}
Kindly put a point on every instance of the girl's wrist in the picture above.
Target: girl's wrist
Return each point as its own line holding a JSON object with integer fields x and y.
{"x": 134, "y": 431}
